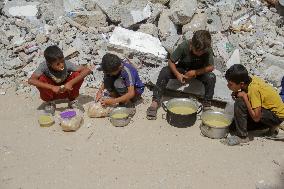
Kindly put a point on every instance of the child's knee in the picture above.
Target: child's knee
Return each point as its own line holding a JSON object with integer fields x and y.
{"x": 120, "y": 86}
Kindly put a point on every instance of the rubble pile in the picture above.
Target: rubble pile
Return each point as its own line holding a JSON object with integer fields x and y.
{"x": 145, "y": 32}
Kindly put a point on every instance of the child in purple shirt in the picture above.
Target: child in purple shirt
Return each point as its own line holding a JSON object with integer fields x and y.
{"x": 121, "y": 80}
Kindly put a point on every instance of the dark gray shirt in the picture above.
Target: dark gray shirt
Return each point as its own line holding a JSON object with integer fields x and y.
{"x": 56, "y": 76}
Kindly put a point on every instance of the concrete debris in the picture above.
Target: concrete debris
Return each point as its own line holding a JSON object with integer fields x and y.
{"x": 134, "y": 12}
{"x": 198, "y": 22}
{"x": 170, "y": 43}
{"x": 246, "y": 32}
{"x": 21, "y": 8}
{"x": 149, "y": 29}
{"x": 166, "y": 26}
{"x": 181, "y": 11}
{"x": 160, "y": 1}
{"x": 138, "y": 41}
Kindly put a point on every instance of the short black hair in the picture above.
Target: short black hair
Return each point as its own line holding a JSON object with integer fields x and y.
{"x": 201, "y": 40}
{"x": 237, "y": 73}
{"x": 110, "y": 63}
{"x": 53, "y": 53}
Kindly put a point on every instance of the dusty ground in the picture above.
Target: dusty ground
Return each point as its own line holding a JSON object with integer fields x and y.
{"x": 146, "y": 154}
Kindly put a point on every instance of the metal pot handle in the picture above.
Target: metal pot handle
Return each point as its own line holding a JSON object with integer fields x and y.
{"x": 164, "y": 106}
{"x": 163, "y": 116}
{"x": 199, "y": 109}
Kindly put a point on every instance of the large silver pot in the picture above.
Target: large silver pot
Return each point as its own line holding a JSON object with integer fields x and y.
{"x": 212, "y": 131}
{"x": 179, "y": 120}
{"x": 120, "y": 122}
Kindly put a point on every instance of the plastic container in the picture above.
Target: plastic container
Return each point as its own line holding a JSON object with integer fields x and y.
{"x": 70, "y": 120}
{"x": 45, "y": 120}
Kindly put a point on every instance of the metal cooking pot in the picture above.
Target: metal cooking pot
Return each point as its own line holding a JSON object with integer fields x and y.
{"x": 181, "y": 120}
{"x": 120, "y": 122}
{"x": 213, "y": 131}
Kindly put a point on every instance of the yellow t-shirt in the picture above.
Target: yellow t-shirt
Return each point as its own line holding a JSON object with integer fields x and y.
{"x": 263, "y": 95}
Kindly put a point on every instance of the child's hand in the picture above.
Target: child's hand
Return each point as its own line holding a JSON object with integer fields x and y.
{"x": 99, "y": 95}
{"x": 108, "y": 102}
{"x": 182, "y": 78}
{"x": 68, "y": 87}
{"x": 55, "y": 89}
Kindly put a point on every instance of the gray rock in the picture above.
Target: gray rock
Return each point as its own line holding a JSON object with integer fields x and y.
{"x": 149, "y": 29}
{"x": 181, "y": 11}
{"x": 95, "y": 19}
{"x": 270, "y": 59}
{"x": 166, "y": 26}
{"x": 170, "y": 42}
{"x": 198, "y": 22}
{"x": 274, "y": 75}
{"x": 13, "y": 64}
{"x": 159, "y": 1}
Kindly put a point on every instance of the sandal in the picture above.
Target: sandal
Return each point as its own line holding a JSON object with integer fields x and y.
{"x": 235, "y": 140}
{"x": 151, "y": 113}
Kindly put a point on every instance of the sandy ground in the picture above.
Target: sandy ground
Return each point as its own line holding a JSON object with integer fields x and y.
{"x": 145, "y": 154}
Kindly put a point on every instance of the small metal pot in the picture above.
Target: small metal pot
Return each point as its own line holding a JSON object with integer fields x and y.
{"x": 180, "y": 120}
{"x": 212, "y": 131}
{"x": 120, "y": 122}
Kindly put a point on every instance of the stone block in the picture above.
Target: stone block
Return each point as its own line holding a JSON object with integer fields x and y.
{"x": 181, "y": 11}
{"x": 198, "y": 22}
{"x": 166, "y": 26}
{"x": 138, "y": 41}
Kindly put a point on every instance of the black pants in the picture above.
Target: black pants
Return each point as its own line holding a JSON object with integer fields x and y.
{"x": 243, "y": 121}
{"x": 208, "y": 80}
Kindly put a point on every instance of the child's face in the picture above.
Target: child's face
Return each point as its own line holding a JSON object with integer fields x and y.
{"x": 114, "y": 73}
{"x": 58, "y": 65}
{"x": 234, "y": 86}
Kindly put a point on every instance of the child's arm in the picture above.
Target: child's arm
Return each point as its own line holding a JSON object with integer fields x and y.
{"x": 254, "y": 113}
{"x": 178, "y": 75}
{"x": 194, "y": 73}
{"x": 100, "y": 92}
{"x": 124, "y": 98}
{"x": 84, "y": 71}
{"x": 34, "y": 80}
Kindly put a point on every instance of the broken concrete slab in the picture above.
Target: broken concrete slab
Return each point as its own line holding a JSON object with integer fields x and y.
{"x": 134, "y": 12}
{"x": 21, "y": 8}
{"x": 234, "y": 59}
{"x": 170, "y": 42}
{"x": 198, "y": 22}
{"x": 181, "y": 11}
{"x": 274, "y": 75}
{"x": 270, "y": 59}
{"x": 105, "y": 5}
{"x": 73, "y": 5}
{"x": 138, "y": 41}
{"x": 163, "y": 2}
{"x": 156, "y": 10}
{"x": 95, "y": 19}
{"x": 149, "y": 29}
{"x": 13, "y": 64}
{"x": 166, "y": 26}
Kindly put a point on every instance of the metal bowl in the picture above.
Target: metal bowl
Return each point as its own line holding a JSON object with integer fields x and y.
{"x": 212, "y": 131}
{"x": 120, "y": 122}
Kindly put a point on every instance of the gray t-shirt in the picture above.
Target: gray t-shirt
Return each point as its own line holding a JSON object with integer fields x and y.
{"x": 57, "y": 77}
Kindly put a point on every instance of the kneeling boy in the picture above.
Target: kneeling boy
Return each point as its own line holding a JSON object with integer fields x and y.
{"x": 57, "y": 78}
{"x": 256, "y": 104}
{"x": 121, "y": 80}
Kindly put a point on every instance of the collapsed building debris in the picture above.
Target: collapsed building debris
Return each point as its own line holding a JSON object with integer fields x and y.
{"x": 246, "y": 32}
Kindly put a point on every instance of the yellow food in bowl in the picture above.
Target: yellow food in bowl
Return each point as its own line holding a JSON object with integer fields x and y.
{"x": 182, "y": 110}
{"x": 217, "y": 123}
{"x": 119, "y": 115}
{"x": 45, "y": 120}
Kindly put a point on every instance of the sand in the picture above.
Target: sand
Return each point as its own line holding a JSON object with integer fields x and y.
{"x": 145, "y": 154}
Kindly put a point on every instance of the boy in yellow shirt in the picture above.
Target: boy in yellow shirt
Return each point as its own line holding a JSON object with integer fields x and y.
{"x": 257, "y": 104}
